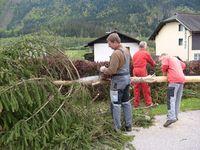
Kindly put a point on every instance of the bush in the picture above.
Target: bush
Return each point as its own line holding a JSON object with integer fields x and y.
{"x": 89, "y": 56}
{"x": 89, "y": 68}
{"x": 158, "y": 90}
{"x": 194, "y": 67}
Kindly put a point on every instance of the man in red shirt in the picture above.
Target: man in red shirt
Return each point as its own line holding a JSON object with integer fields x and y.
{"x": 173, "y": 68}
{"x": 140, "y": 60}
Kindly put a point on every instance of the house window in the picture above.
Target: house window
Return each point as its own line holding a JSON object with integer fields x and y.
{"x": 180, "y": 27}
{"x": 195, "y": 41}
{"x": 180, "y": 42}
{"x": 197, "y": 56}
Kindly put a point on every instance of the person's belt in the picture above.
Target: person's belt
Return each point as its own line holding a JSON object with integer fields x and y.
{"x": 121, "y": 74}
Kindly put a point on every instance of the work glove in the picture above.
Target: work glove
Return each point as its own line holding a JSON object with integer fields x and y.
{"x": 102, "y": 68}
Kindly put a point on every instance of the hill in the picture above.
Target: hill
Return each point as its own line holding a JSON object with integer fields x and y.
{"x": 88, "y": 18}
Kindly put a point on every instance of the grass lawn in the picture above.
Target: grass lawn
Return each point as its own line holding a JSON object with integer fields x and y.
{"x": 77, "y": 54}
{"x": 144, "y": 117}
{"x": 186, "y": 104}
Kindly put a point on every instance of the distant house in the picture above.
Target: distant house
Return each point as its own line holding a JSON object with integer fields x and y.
{"x": 179, "y": 35}
{"x": 101, "y": 50}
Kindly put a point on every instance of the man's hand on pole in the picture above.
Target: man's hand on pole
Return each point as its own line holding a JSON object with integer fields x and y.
{"x": 102, "y": 68}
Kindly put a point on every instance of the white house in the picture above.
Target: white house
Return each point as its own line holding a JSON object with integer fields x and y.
{"x": 101, "y": 50}
{"x": 179, "y": 35}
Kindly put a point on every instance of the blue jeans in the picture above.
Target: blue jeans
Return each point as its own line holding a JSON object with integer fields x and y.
{"x": 120, "y": 99}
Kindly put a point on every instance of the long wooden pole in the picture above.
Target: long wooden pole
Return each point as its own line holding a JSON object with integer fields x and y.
{"x": 84, "y": 80}
{"x": 94, "y": 80}
{"x": 152, "y": 79}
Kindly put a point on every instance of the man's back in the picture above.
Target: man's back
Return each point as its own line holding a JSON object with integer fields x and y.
{"x": 141, "y": 58}
{"x": 174, "y": 69}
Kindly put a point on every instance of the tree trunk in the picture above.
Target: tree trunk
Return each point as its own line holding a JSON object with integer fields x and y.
{"x": 94, "y": 80}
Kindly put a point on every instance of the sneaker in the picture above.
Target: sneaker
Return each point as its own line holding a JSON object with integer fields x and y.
{"x": 168, "y": 122}
{"x": 128, "y": 129}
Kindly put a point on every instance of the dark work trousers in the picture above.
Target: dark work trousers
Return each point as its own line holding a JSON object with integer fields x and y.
{"x": 120, "y": 99}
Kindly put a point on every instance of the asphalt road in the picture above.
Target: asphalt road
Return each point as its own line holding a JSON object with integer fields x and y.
{"x": 182, "y": 135}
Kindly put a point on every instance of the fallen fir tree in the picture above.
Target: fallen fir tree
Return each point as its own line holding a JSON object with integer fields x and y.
{"x": 37, "y": 114}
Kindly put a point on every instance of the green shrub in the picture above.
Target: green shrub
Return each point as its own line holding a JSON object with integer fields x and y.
{"x": 158, "y": 90}
{"x": 36, "y": 114}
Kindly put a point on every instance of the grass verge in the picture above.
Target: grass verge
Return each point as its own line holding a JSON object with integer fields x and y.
{"x": 77, "y": 54}
{"x": 144, "y": 117}
{"x": 186, "y": 105}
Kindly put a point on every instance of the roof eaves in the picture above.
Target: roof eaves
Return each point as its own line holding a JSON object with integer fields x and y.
{"x": 152, "y": 37}
{"x": 138, "y": 41}
{"x": 195, "y": 31}
{"x": 92, "y": 42}
{"x": 183, "y": 24}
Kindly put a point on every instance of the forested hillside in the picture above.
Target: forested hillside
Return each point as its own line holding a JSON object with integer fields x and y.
{"x": 88, "y": 18}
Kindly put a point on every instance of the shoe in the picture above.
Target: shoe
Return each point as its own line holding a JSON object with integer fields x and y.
{"x": 168, "y": 122}
{"x": 128, "y": 129}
